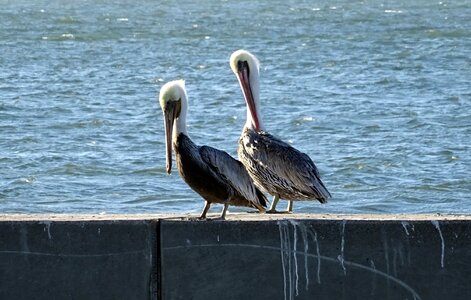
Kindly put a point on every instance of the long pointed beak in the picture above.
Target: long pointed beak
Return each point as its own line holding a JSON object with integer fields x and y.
{"x": 169, "y": 119}
{"x": 244, "y": 80}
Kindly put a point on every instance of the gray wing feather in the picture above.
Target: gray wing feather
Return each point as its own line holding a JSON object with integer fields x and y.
{"x": 287, "y": 163}
{"x": 232, "y": 170}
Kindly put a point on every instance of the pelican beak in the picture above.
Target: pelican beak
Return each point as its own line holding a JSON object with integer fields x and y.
{"x": 243, "y": 74}
{"x": 170, "y": 112}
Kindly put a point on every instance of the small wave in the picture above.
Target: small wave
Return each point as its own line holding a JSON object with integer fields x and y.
{"x": 434, "y": 33}
{"x": 302, "y": 120}
{"x": 442, "y": 187}
{"x": 150, "y": 171}
{"x": 393, "y": 11}
{"x": 62, "y": 37}
{"x": 142, "y": 199}
{"x": 91, "y": 123}
{"x": 26, "y": 180}
{"x": 68, "y": 35}
{"x": 78, "y": 169}
{"x": 67, "y": 20}
{"x": 373, "y": 128}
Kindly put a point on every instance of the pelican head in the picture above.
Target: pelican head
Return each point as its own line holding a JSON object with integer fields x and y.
{"x": 173, "y": 101}
{"x": 246, "y": 68}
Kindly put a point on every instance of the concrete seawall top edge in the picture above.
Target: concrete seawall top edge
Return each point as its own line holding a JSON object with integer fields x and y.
{"x": 234, "y": 217}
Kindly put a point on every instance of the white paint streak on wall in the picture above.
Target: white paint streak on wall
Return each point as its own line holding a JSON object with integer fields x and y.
{"x": 47, "y": 228}
{"x": 314, "y": 237}
{"x": 282, "y": 253}
{"x": 386, "y": 253}
{"x": 295, "y": 257}
{"x": 341, "y": 257}
{"x": 306, "y": 251}
{"x": 289, "y": 255}
{"x": 290, "y": 264}
{"x": 373, "y": 285}
{"x": 405, "y": 224}
{"x": 442, "y": 260}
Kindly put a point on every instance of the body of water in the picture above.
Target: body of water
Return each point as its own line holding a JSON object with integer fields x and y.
{"x": 378, "y": 93}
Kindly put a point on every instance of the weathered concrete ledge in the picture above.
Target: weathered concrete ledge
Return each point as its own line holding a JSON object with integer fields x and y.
{"x": 235, "y": 217}
{"x": 248, "y": 256}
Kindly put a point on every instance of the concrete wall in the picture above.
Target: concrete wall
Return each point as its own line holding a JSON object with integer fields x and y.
{"x": 246, "y": 257}
{"x": 78, "y": 260}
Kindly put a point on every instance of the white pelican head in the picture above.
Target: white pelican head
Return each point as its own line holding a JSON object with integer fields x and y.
{"x": 174, "y": 103}
{"x": 246, "y": 67}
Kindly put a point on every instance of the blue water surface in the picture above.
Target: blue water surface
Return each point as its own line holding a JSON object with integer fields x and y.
{"x": 377, "y": 93}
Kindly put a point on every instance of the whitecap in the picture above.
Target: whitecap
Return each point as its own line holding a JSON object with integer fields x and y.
{"x": 68, "y": 36}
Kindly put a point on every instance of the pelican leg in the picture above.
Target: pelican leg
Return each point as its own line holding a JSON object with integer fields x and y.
{"x": 205, "y": 210}
{"x": 274, "y": 202}
{"x": 289, "y": 208}
{"x": 224, "y": 211}
{"x": 223, "y": 214}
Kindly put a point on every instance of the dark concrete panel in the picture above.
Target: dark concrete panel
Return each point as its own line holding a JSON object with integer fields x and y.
{"x": 316, "y": 259}
{"x": 78, "y": 260}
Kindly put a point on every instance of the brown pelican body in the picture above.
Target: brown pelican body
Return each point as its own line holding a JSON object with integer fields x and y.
{"x": 274, "y": 165}
{"x": 212, "y": 173}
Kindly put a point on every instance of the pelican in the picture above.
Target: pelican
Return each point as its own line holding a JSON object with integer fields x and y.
{"x": 274, "y": 165}
{"x": 210, "y": 172}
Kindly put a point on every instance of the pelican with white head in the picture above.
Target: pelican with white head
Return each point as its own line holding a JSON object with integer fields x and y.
{"x": 210, "y": 172}
{"x": 273, "y": 165}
